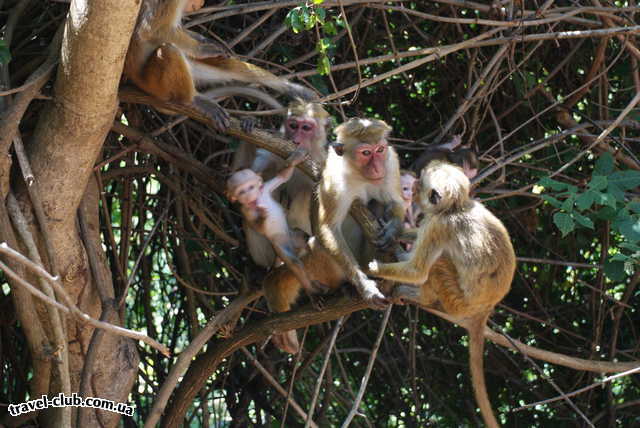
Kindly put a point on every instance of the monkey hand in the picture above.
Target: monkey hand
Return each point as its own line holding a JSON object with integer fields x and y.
{"x": 368, "y": 289}
{"x": 386, "y": 235}
{"x": 374, "y": 268}
{"x": 298, "y": 156}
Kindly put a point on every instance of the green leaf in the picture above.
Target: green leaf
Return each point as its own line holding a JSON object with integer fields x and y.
{"x": 628, "y": 246}
{"x": 598, "y": 182}
{"x": 564, "y": 223}
{"x": 634, "y": 206}
{"x": 625, "y": 179}
{"x": 619, "y": 257}
{"x": 553, "y": 184}
{"x": 553, "y": 201}
{"x": 630, "y": 228}
{"x": 318, "y": 1}
{"x": 615, "y": 191}
{"x": 293, "y": 20}
{"x": 604, "y": 164}
{"x": 615, "y": 270}
{"x": 607, "y": 199}
{"x": 607, "y": 213}
{"x": 583, "y": 220}
{"x": 329, "y": 28}
{"x": 567, "y": 205}
{"x": 585, "y": 200}
{"x": 321, "y": 14}
{"x": 323, "y": 65}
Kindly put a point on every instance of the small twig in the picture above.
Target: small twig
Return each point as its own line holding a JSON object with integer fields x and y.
{"x": 367, "y": 373}
{"x": 71, "y": 307}
{"x": 186, "y": 356}
{"x": 276, "y": 385}
{"x": 332, "y": 342}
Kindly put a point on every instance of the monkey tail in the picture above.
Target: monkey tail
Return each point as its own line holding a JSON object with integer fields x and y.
{"x": 229, "y": 68}
{"x": 476, "y": 364}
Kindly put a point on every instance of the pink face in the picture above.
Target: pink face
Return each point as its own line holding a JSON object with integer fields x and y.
{"x": 248, "y": 192}
{"x": 300, "y": 130}
{"x": 371, "y": 159}
{"x": 407, "y": 185}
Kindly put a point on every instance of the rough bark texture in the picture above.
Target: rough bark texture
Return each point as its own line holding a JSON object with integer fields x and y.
{"x": 62, "y": 153}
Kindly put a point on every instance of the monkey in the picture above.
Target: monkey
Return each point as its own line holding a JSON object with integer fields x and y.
{"x": 262, "y": 213}
{"x": 463, "y": 260}
{"x": 305, "y": 125}
{"x": 360, "y": 165}
{"x": 408, "y": 187}
{"x": 169, "y": 62}
{"x": 454, "y": 152}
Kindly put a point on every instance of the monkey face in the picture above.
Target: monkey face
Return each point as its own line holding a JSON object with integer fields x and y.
{"x": 370, "y": 160}
{"x": 248, "y": 192}
{"x": 407, "y": 185}
{"x": 443, "y": 186}
{"x": 300, "y": 130}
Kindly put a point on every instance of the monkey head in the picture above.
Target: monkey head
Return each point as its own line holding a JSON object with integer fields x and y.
{"x": 244, "y": 186}
{"x": 443, "y": 187}
{"x": 407, "y": 186}
{"x": 305, "y": 123}
{"x": 364, "y": 143}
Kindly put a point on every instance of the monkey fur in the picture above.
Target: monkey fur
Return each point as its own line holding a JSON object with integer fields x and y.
{"x": 462, "y": 261}
{"x": 169, "y": 62}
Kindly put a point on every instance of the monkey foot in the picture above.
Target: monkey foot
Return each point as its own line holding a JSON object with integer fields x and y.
{"x": 373, "y": 296}
{"x": 287, "y": 342}
{"x": 211, "y": 109}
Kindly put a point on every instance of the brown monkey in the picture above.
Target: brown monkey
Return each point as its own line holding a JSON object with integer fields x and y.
{"x": 462, "y": 155}
{"x": 168, "y": 62}
{"x": 262, "y": 213}
{"x": 463, "y": 260}
{"x": 305, "y": 125}
{"x": 362, "y": 166}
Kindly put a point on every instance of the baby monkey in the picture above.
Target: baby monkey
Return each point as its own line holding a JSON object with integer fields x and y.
{"x": 463, "y": 260}
{"x": 262, "y": 213}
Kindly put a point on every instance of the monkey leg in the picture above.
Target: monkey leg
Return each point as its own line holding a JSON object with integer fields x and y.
{"x": 167, "y": 76}
{"x": 281, "y": 289}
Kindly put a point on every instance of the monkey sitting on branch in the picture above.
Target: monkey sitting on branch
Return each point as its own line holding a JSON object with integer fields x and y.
{"x": 462, "y": 261}
{"x": 266, "y": 216}
{"x": 169, "y": 62}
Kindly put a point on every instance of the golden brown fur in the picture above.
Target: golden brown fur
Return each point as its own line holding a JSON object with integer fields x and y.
{"x": 462, "y": 261}
{"x": 168, "y": 62}
{"x": 282, "y": 288}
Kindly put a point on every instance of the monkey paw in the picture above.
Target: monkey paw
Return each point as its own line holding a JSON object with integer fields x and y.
{"x": 212, "y": 110}
{"x": 372, "y": 295}
{"x": 386, "y": 236}
{"x": 374, "y": 267}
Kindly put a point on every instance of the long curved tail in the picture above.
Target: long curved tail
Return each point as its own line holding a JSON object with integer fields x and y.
{"x": 230, "y": 69}
{"x": 476, "y": 364}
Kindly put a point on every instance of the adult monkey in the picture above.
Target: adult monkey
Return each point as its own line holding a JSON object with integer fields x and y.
{"x": 305, "y": 125}
{"x": 463, "y": 261}
{"x": 168, "y": 62}
{"x": 361, "y": 166}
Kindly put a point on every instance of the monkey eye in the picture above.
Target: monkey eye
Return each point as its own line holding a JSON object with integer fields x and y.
{"x": 380, "y": 149}
{"x": 366, "y": 152}
{"x": 434, "y": 197}
{"x": 306, "y": 127}
{"x": 293, "y": 125}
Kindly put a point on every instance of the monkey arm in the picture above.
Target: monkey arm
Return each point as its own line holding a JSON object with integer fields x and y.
{"x": 331, "y": 238}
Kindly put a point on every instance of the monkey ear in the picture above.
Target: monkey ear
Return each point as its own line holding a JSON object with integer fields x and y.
{"x": 339, "y": 148}
{"x": 434, "y": 197}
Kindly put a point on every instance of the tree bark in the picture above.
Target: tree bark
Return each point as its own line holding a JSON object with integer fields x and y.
{"x": 67, "y": 140}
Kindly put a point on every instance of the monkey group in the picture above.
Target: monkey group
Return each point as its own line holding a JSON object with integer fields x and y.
{"x": 462, "y": 261}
